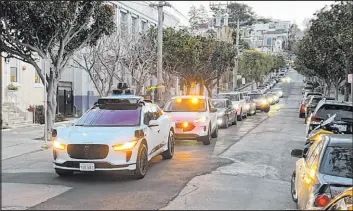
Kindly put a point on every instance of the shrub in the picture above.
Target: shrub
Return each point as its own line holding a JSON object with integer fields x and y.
{"x": 59, "y": 118}
{"x": 39, "y": 114}
{"x": 12, "y": 87}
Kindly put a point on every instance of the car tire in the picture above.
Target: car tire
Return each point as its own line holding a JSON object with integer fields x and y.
{"x": 215, "y": 133}
{"x": 168, "y": 154}
{"x": 255, "y": 112}
{"x": 235, "y": 121}
{"x": 63, "y": 172}
{"x": 226, "y": 122}
{"x": 240, "y": 117}
{"x": 300, "y": 115}
{"x": 293, "y": 188}
{"x": 141, "y": 162}
{"x": 246, "y": 115}
{"x": 207, "y": 140}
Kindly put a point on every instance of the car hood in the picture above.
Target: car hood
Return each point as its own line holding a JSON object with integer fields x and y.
{"x": 337, "y": 184}
{"x": 185, "y": 116}
{"x": 86, "y": 135}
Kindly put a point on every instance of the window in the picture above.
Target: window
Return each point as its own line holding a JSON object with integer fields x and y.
{"x": 123, "y": 23}
{"x": 13, "y": 74}
{"x": 269, "y": 41}
{"x": 337, "y": 161}
{"x": 36, "y": 78}
{"x": 147, "y": 115}
{"x": 134, "y": 26}
{"x": 143, "y": 26}
{"x": 110, "y": 117}
{"x": 186, "y": 105}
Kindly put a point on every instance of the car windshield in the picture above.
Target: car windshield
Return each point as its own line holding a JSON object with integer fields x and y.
{"x": 338, "y": 161}
{"x": 315, "y": 101}
{"x": 219, "y": 103}
{"x": 99, "y": 117}
{"x": 186, "y": 105}
{"x": 339, "y": 110}
{"x": 255, "y": 96}
{"x": 232, "y": 97}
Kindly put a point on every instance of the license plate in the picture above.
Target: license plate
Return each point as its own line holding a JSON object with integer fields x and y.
{"x": 87, "y": 167}
{"x": 342, "y": 128}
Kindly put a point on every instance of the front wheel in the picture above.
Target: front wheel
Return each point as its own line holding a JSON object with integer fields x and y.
{"x": 142, "y": 162}
{"x": 240, "y": 116}
{"x": 215, "y": 133}
{"x": 207, "y": 140}
{"x": 170, "y": 152}
{"x": 293, "y": 188}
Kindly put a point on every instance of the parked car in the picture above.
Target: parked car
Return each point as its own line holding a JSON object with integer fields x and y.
{"x": 323, "y": 172}
{"x": 272, "y": 98}
{"x": 274, "y": 95}
{"x": 118, "y": 133}
{"x": 195, "y": 117}
{"x": 260, "y": 101}
{"x": 238, "y": 102}
{"x": 325, "y": 108}
{"x": 250, "y": 104}
{"x": 314, "y": 100}
{"x": 279, "y": 91}
{"x": 307, "y": 88}
{"x": 226, "y": 114}
{"x": 302, "y": 107}
{"x": 343, "y": 201}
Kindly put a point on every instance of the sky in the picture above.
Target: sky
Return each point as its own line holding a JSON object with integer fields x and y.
{"x": 295, "y": 11}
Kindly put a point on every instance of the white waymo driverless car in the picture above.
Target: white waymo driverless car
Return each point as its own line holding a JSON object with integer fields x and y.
{"x": 119, "y": 132}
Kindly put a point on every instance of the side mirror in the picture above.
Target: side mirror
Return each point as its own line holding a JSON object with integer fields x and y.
{"x": 297, "y": 153}
{"x": 213, "y": 110}
{"x": 153, "y": 123}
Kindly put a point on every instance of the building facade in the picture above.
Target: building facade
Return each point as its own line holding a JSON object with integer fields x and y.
{"x": 132, "y": 17}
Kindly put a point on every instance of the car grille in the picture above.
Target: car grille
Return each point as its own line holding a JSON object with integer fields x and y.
{"x": 87, "y": 151}
{"x": 98, "y": 165}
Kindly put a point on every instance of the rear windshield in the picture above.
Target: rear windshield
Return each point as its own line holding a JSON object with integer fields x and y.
{"x": 340, "y": 111}
{"x": 219, "y": 103}
{"x": 232, "y": 97}
{"x": 315, "y": 101}
{"x": 255, "y": 96}
{"x": 338, "y": 161}
{"x": 110, "y": 117}
{"x": 186, "y": 105}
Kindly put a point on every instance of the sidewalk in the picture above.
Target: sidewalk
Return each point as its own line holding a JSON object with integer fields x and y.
{"x": 20, "y": 141}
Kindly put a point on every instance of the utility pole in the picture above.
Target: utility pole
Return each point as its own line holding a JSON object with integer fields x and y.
{"x": 160, "y": 6}
{"x": 235, "y": 69}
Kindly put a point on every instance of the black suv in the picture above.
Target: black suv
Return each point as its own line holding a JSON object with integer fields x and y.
{"x": 327, "y": 108}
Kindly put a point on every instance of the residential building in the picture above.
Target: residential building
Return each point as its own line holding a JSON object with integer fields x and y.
{"x": 131, "y": 17}
{"x": 30, "y": 91}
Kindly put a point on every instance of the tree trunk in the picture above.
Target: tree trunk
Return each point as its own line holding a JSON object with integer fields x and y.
{"x": 348, "y": 66}
{"x": 209, "y": 90}
{"x": 202, "y": 88}
{"x": 51, "y": 103}
{"x": 336, "y": 90}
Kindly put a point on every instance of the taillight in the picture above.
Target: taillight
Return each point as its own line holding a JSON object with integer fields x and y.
{"x": 322, "y": 200}
{"x": 315, "y": 119}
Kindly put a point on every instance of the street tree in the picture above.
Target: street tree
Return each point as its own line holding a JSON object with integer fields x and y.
{"x": 102, "y": 63}
{"x": 139, "y": 59}
{"x": 203, "y": 14}
{"x": 53, "y": 30}
{"x": 240, "y": 11}
{"x": 194, "y": 16}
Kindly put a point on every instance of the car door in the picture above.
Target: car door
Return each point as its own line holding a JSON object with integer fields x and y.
{"x": 233, "y": 113}
{"x": 152, "y": 133}
{"x": 213, "y": 116}
{"x": 164, "y": 123}
{"x": 306, "y": 185}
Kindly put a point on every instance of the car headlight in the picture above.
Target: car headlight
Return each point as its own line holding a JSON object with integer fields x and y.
{"x": 58, "y": 145}
{"x": 236, "y": 107}
{"x": 280, "y": 93}
{"x": 201, "y": 119}
{"x": 125, "y": 146}
{"x": 247, "y": 106}
{"x": 264, "y": 101}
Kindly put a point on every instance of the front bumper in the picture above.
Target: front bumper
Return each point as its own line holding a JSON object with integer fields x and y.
{"x": 262, "y": 106}
{"x": 199, "y": 130}
{"x": 113, "y": 161}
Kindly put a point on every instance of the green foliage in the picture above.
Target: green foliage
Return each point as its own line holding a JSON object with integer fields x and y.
{"x": 39, "y": 114}
{"x": 254, "y": 64}
{"x": 326, "y": 49}
{"x": 242, "y": 11}
{"x": 12, "y": 87}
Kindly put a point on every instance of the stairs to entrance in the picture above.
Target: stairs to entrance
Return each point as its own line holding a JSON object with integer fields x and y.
{"x": 13, "y": 117}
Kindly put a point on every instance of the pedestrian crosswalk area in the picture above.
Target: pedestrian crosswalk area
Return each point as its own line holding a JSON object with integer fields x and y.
{"x": 21, "y": 196}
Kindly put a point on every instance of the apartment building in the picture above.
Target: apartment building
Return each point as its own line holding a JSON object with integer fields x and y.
{"x": 271, "y": 37}
{"x": 29, "y": 91}
{"x": 131, "y": 18}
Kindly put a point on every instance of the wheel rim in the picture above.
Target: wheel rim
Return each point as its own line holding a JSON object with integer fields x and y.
{"x": 171, "y": 143}
{"x": 294, "y": 192}
{"x": 143, "y": 160}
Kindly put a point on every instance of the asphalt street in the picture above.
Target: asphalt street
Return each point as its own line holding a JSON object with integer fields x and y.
{"x": 247, "y": 167}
